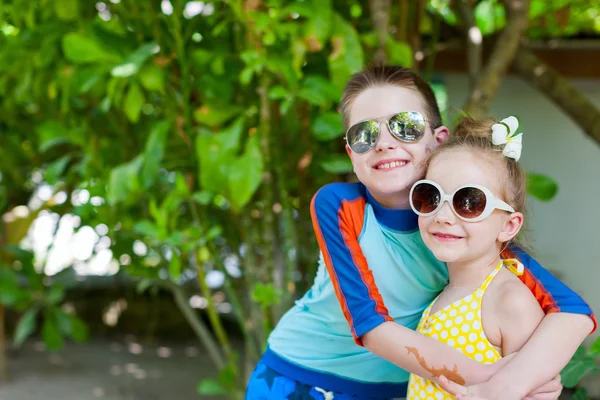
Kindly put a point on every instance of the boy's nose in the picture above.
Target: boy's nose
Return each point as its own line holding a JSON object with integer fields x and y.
{"x": 386, "y": 140}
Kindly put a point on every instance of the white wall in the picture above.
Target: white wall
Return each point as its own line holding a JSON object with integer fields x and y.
{"x": 565, "y": 231}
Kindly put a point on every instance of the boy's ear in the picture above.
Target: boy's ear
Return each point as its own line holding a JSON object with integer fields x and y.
{"x": 348, "y": 151}
{"x": 512, "y": 226}
{"x": 441, "y": 134}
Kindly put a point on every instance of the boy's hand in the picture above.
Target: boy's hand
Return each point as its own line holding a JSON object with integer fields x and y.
{"x": 548, "y": 391}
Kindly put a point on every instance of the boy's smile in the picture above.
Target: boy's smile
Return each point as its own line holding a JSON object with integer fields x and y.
{"x": 390, "y": 164}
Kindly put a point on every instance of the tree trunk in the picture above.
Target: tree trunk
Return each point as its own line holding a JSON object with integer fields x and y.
{"x": 581, "y": 110}
{"x": 3, "y": 364}
{"x": 486, "y": 84}
{"x": 380, "y": 15}
{"x": 473, "y": 38}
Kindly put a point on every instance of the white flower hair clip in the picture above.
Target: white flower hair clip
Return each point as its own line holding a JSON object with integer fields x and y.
{"x": 505, "y": 132}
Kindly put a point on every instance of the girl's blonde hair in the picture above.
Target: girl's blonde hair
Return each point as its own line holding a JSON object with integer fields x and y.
{"x": 476, "y": 136}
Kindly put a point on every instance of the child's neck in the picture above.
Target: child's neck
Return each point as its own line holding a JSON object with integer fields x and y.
{"x": 470, "y": 274}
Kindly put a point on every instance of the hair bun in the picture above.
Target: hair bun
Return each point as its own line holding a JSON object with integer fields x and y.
{"x": 470, "y": 127}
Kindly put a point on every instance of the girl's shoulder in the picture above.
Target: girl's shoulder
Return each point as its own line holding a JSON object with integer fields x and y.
{"x": 510, "y": 312}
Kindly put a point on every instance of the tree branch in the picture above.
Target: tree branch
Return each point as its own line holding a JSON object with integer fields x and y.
{"x": 380, "y": 15}
{"x": 198, "y": 326}
{"x": 560, "y": 91}
{"x": 473, "y": 39}
{"x": 487, "y": 83}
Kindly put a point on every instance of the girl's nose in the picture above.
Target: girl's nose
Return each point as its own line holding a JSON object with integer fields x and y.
{"x": 445, "y": 215}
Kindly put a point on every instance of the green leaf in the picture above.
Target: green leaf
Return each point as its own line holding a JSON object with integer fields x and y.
{"x": 55, "y": 295}
{"x": 245, "y": 174}
{"x": 541, "y": 187}
{"x": 210, "y": 387}
{"x": 203, "y": 198}
{"x": 134, "y": 102}
{"x": 227, "y": 377}
{"x": 594, "y": 349}
{"x": 51, "y": 333}
{"x": 278, "y": 92}
{"x": 14, "y": 296}
{"x": 318, "y": 27}
{"x": 153, "y": 154}
{"x": 576, "y": 369}
{"x": 134, "y": 61}
{"x": 80, "y": 332}
{"x": 580, "y": 394}
{"x": 216, "y": 152}
{"x": 80, "y": 49}
{"x": 318, "y": 91}
{"x": 124, "y": 181}
{"x": 337, "y": 164}
{"x": 489, "y": 16}
{"x": 146, "y": 228}
{"x": 175, "y": 266}
{"x": 328, "y": 126}
{"x": 400, "y": 53}
{"x": 66, "y": 10}
{"x": 347, "y": 56}
{"x": 52, "y": 133}
{"x": 26, "y": 326}
{"x": 8, "y": 276}
{"x": 152, "y": 78}
{"x": 55, "y": 169}
{"x": 214, "y": 116}
{"x": 86, "y": 77}
{"x": 143, "y": 285}
{"x": 266, "y": 295}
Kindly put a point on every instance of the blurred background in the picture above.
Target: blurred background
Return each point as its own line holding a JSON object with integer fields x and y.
{"x": 158, "y": 159}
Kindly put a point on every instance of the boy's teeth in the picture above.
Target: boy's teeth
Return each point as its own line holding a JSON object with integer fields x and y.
{"x": 393, "y": 164}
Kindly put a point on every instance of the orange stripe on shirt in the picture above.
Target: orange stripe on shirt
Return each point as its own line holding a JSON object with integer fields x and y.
{"x": 351, "y": 217}
{"x": 543, "y": 296}
{"x": 333, "y": 275}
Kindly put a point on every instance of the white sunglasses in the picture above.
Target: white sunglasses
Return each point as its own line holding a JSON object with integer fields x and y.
{"x": 470, "y": 203}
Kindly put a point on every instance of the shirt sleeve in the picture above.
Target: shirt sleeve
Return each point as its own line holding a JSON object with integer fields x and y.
{"x": 337, "y": 212}
{"x": 552, "y": 294}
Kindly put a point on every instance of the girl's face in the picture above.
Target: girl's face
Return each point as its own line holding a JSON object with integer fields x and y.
{"x": 390, "y": 186}
{"x": 453, "y": 240}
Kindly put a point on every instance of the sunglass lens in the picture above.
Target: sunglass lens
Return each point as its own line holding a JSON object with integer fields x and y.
{"x": 425, "y": 198}
{"x": 469, "y": 202}
{"x": 362, "y": 136}
{"x": 408, "y": 126}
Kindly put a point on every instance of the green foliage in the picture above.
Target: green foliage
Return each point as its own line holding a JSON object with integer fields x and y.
{"x": 26, "y": 291}
{"x": 204, "y": 137}
{"x": 585, "y": 363}
{"x": 541, "y": 187}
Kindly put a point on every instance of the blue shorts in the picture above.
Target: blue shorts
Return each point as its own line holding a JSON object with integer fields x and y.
{"x": 266, "y": 384}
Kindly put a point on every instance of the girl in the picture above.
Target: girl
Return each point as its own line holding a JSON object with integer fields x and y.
{"x": 470, "y": 206}
{"x": 349, "y": 333}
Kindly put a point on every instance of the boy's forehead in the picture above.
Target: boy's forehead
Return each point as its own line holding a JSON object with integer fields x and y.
{"x": 380, "y": 101}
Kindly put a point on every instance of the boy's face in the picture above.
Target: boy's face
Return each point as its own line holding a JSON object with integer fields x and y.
{"x": 391, "y": 186}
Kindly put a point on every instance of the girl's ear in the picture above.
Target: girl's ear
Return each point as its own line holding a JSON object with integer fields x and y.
{"x": 512, "y": 226}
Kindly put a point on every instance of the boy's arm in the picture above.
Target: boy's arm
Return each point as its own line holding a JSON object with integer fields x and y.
{"x": 337, "y": 212}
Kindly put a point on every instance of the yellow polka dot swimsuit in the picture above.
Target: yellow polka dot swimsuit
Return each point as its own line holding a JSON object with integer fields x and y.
{"x": 459, "y": 326}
